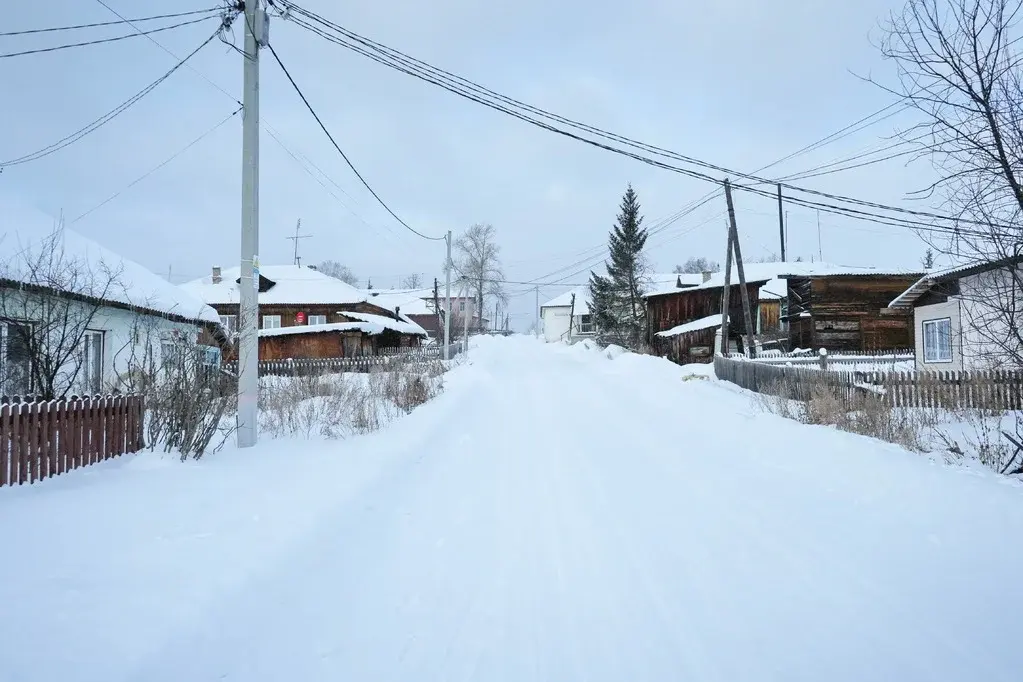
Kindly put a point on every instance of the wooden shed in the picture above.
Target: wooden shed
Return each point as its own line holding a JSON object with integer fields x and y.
{"x": 680, "y": 324}
{"x": 843, "y": 312}
{"x": 358, "y": 336}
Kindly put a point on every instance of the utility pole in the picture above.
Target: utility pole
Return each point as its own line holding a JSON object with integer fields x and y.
{"x": 248, "y": 303}
{"x": 726, "y": 291}
{"x": 298, "y": 226}
{"x": 447, "y": 295}
{"x": 537, "y": 311}
{"x": 571, "y": 317}
{"x": 743, "y": 291}
{"x": 781, "y": 224}
{"x": 466, "y": 315}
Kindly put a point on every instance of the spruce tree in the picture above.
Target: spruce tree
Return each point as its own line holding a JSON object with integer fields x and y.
{"x": 617, "y": 299}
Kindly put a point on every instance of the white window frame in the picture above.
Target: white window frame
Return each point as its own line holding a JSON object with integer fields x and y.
{"x": 230, "y": 323}
{"x": 461, "y": 306}
{"x": 316, "y": 319}
{"x": 586, "y": 327}
{"x": 271, "y": 322}
{"x": 937, "y": 356}
{"x": 91, "y": 364}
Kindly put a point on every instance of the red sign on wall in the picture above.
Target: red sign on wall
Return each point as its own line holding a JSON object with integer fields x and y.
{"x": 300, "y": 318}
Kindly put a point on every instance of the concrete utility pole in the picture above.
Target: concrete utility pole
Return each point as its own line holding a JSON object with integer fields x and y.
{"x": 466, "y": 315}
{"x": 447, "y": 295}
{"x": 726, "y": 291}
{"x": 298, "y": 226}
{"x": 781, "y": 224}
{"x": 248, "y": 304}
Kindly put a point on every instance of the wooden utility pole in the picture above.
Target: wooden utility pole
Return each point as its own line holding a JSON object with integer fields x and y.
{"x": 743, "y": 291}
{"x": 781, "y": 224}
{"x": 571, "y": 316}
{"x": 726, "y": 290}
{"x": 436, "y": 306}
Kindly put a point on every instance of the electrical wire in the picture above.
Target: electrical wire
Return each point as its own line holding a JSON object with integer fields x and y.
{"x": 113, "y": 113}
{"x": 475, "y": 92}
{"x": 158, "y": 166}
{"x": 110, "y": 23}
{"x": 341, "y": 152}
{"x": 101, "y": 41}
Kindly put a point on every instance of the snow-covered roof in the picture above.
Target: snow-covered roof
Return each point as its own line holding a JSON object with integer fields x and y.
{"x": 582, "y": 298}
{"x": 775, "y": 274}
{"x": 364, "y": 322}
{"x": 30, "y": 237}
{"x": 293, "y": 285}
{"x": 693, "y": 326}
{"x": 409, "y": 301}
{"x": 973, "y": 267}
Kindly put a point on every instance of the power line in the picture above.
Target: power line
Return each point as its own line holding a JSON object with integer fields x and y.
{"x": 158, "y": 166}
{"x": 100, "y": 41}
{"x": 113, "y": 113}
{"x": 110, "y": 23}
{"x": 340, "y": 151}
{"x": 475, "y": 92}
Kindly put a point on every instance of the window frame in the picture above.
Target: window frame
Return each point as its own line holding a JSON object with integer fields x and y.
{"x": 230, "y": 323}
{"x": 271, "y": 317}
{"x": 310, "y": 320}
{"x": 92, "y": 385}
{"x": 936, "y": 323}
{"x": 586, "y": 324}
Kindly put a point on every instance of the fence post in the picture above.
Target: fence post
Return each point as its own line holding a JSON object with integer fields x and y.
{"x": 822, "y": 356}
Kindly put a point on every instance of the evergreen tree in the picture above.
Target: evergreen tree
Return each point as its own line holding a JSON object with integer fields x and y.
{"x": 617, "y": 299}
{"x": 928, "y": 260}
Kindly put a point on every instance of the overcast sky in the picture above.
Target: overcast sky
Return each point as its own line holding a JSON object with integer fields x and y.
{"x": 740, "y": 84}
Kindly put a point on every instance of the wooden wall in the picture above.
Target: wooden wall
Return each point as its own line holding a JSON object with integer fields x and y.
{"x": 687, "y": 348}
{"x": 289, "y": 313}
{"x": 670, "y": 310}
{"x": 845, "y": 313}
{"x": 770, "y": 316}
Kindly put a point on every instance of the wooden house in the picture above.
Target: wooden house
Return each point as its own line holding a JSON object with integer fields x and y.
{"x": 292, "y": 296}
{"x": 358, "y": 335}
{"x": 840, "y": 309}
{"x": 682, "y": 323}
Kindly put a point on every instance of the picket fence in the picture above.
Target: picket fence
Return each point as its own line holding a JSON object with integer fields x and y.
{"x": 43, "y": 439}
{"x": 987, "y": 390}
{"x": 388, "y": 357}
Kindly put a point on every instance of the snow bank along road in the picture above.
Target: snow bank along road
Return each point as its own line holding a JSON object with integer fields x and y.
{"x": 555, "y": 515}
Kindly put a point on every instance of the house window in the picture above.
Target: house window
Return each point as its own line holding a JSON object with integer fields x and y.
{"x": 15, "y": 359}
{"x": 461, "y": 306}
{"x": 90, "y": 372}
{"x": 938, "y": 340}
{"x": 585, "y": 324}
{"x": 317, "y": 319}
{"x": 230, "y": 323}
{"x": 271, "y": 321}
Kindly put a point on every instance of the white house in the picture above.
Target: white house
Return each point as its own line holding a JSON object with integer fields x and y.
{"x": 964, "y": 316}
{"x": 559, "y": 317}
{"x": 76, "y": 317}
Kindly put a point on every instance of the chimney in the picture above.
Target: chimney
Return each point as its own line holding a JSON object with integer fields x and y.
{"x": 217, "y": 279}
{"x": 397, "y": 312}
{"x": 706, "y": 275}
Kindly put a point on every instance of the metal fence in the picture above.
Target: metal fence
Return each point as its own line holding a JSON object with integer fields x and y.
{"x": 41, "y": 439}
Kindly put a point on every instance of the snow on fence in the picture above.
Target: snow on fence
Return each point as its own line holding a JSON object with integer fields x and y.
{"x": 313, "y": 366}
{"x": 861, "y": 361}
{"x": 43, "y": 439}
{"x": 989, "y": 390}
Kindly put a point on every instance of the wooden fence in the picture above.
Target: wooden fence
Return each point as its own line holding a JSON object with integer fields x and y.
{"x": 312, "y": 366}
{"x": 988, "y": 390}
{"x": 43, "y": 439}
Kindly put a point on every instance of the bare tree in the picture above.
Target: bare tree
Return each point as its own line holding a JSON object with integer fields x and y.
{"x": 413, "y": 281}
{"x": 334, "y": 269}
{"x": 959, "y": 68}
{"x": 695, "y": 266}
{"x": 49, "y": 299}
{"x": 478, "y": 259}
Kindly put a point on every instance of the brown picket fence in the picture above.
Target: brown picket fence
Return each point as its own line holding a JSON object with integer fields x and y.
{"x": 43, "y": 439}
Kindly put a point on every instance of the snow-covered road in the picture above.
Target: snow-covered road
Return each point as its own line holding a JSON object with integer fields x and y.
{"x": 555, "y": 515}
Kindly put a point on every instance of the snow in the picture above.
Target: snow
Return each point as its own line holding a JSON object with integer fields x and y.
{"x": 295, "y": 285}
{"x": 582, "y": 300}
{"x": 405, "y": 326}
{"x": 409, "y": 301}
{"x": 26, "y": 231}
{"x": 693, "y": 326}
{"x": 589, "y": 518}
